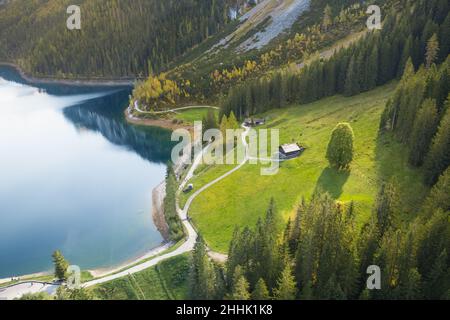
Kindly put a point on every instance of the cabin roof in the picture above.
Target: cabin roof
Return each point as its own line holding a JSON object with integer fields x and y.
{"x": 290, "y": 148}
{"x": 254, "y": 120}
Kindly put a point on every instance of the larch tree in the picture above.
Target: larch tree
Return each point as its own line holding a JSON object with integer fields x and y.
{"x": 327, "y": 17}
{"x": 432, "y": 51}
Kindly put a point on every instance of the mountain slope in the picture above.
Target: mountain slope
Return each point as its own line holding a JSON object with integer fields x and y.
{"x": 117, "y": 38}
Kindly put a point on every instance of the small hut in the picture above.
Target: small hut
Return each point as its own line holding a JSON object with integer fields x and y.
{"x": 250, "y": 122}
{"x": 291, "y": 150}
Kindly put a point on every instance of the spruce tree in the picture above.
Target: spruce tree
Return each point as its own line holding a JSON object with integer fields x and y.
{"x": 232, "y": 121}
{"x": 372, "y": 69}
{"x": 352, "y": 85}
{"x": 224, "y": 127}
{"x": 385, "y": 73}
{"x": 406, "y": 55}
{"x": 260, "y": 292}
{"x": 423, "y": 132}
{"x": 438, "y": 280}
{"x": 61, "y": 265}
{"x": 432, "y": 261}
{"x": 240, "y": 288}
{"x": 386, "y": 206}
{"x": 286, "y": 286}
{"x": 438, "y": 198}
{"x": 438, "y": 158}
{"x": 202, "y": 284}
{"x": 210, "y": 120}
{"x": 444, "y": 38}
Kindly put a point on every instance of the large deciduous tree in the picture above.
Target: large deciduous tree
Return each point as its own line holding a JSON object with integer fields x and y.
{"x": 340, "y": 147}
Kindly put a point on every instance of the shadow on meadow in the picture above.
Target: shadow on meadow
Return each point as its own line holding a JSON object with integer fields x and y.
{"x": 332, "y": 181}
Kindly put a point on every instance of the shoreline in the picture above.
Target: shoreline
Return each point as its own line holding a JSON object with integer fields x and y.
{"x": 71, "y": 82}
{"x": 160, "y": 123}
{"x": 159, "y": 218}
{"x": 101, "y": 271}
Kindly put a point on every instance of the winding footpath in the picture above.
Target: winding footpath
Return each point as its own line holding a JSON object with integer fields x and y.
{"x": 17, "y": 290}
{"x": 138, "y": 108}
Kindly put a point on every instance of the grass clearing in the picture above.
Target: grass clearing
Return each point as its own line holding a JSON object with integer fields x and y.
{"x": 191, "y": 115}
{"x": 240, "y": 199}
{"x": 165, "y": 281}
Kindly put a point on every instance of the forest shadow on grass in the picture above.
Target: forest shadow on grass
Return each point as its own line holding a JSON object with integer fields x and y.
{"x": 332, "y": 181}
{"x": 392, "y": 165}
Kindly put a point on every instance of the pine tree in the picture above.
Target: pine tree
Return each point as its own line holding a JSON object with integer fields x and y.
{"x": 261, "y": 292}
{"x": 61, "y": 265}
{"x": 340, "y": 148}
{"x": 432, "y": 51}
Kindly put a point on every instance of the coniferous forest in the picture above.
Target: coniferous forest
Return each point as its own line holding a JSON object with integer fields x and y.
{"x": 117, "y": 38}
{"x": 380, "y": 57}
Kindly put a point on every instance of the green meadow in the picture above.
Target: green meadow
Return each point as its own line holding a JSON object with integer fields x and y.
{"x": 243, "y": 197}
{"x": 191, "y": 115}
{"x": 165, "y": 281}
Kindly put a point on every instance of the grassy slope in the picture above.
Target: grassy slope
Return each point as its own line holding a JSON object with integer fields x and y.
{"x": 191, "y": 115}
{"x": 243, "y": 197}
{"x": 166, "y": 281}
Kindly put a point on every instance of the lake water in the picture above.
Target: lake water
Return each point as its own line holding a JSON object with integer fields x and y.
{"x": 74, "y": 176}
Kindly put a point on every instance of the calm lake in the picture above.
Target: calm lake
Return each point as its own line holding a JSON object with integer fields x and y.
{"x": 74, "y": 176}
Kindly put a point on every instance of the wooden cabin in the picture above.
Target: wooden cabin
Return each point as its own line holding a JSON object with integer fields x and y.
{"x": 290, "y": 150}
{"x": 250, "y": 122}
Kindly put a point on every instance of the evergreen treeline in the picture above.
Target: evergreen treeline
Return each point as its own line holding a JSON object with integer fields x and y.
{"x": 117, "y": 38}
{"x": 374, "y": 60}
{"x": 419, "y": 116}
{"x": 176, "y": 231}
{"x": 323, "y": 255}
